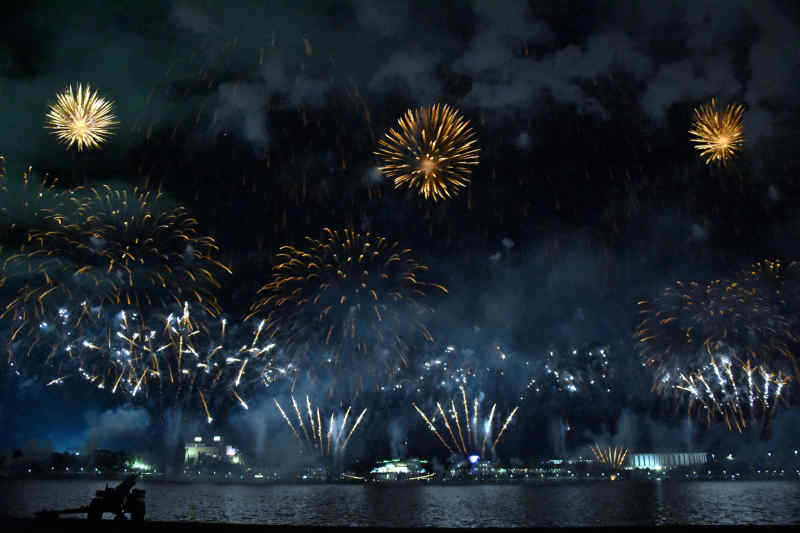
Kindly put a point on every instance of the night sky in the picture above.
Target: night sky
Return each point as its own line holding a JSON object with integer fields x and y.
{"x": 261, "y": 118}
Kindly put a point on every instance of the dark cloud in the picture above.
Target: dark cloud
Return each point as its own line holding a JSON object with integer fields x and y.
{"x": 387, "y": 19}
{"x": 193, "y": 18}
{"x": 414, "y": 70}
{"x": 117, "y": 428}
{"x": 241, "y": 108}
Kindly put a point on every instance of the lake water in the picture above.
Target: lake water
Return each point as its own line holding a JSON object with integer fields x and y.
{"x": 596, "y": 504}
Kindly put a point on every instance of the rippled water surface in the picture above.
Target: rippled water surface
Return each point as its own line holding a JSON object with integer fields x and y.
{"x": 605, "y": 504}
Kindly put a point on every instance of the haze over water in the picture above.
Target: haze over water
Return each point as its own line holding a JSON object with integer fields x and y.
{"x": 563, "y": 505}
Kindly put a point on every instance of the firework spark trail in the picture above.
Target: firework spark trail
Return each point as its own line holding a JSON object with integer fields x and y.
{"x": 767, "y": 378}
{"x": 432, "y": 428}
{"x": 614, "y": 457}
{"x": 358, "y": 421}
{"x": 734, "y": 386}
{"x": 780, "y": 382}
{"x": 503, "y": 430}
{"x": 447, "y": 425}
{"x": 242, "y": 402}
{"x": 727, "y": 402}
{"x": 344, "y": 424}
{"x": 241, "y": 371}
{"x": 258, "y": 331}
{"x": 300, "y": 418}
{"x": 320, "y": 440}
{"x": 319, "y": 430}
{"x": 475, "y": 422}
{"x": 488, "y": 430}
{"x": 311, "y": 421}
{"x": 466, "y": 413}
{"x": 291, "y": 426}
{"x": 205, "y": 407}
{"x": 458, "y": 425}
{"x": 57, "y": 381}
{"x": 710, "y": 393}
{"x": 331, "y": 431}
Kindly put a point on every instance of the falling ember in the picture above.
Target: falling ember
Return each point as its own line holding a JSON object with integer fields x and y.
{"x": 242, "y": 402}
{"x": 205, "y": 407}
{"x": 321, "y": 441}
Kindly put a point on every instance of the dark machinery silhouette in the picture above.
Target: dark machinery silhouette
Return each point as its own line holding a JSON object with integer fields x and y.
{"x": 116, "y": 500}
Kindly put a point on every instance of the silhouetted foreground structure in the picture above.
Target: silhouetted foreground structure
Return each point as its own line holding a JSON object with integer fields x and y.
{"x": 116, "y": 500}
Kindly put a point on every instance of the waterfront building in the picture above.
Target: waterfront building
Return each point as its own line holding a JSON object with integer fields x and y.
{"x": 397, "y": 469}
{"x": 211, "y": 451}
{"x": 659, "y": 461}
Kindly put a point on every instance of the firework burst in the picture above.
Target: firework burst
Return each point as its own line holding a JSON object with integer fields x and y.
{"x": 24, "y": 205}
{"x": 726, "y": 344}
{"x": 718, "y": 137}
{"x": 118, "y": 249}
{"x": 166, "y": 360}
{"x": 354, "y": 296}
{"x": 577, "y": 371}
{"x": 614, "y": 456}
{"x": 312, "y": 435}
{"x": 726, "y": 389}
{"x": 689, "y": 319}
{"x": 432, "y": 151}
{"x": 467, "y": 435}
{"x": 81, "y": 118}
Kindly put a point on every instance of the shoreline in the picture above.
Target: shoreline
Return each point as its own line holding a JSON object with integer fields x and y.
{"x": 179, "y": 480}
{"x": 81, "y": 525}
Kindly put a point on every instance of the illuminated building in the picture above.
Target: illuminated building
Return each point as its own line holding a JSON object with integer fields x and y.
{"x": 397, "y": 469}
{"x": 213, "y": 451}
{"x": 658, "y": 461}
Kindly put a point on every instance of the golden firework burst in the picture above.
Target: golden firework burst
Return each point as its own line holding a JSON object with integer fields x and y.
{"x": 355, "y": 295}
{"x": 718, "y": 137}
{"x": 81, "y": 118}
{"x": 433, "y": 151}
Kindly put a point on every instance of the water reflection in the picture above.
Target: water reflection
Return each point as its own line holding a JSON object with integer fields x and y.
{"x": 591, "y": 504}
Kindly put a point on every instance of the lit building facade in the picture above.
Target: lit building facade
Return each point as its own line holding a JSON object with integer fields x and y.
{"x": 213, "y": 451}
{"x": 658, "y": 461}
{"x": 396, "y": 469}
